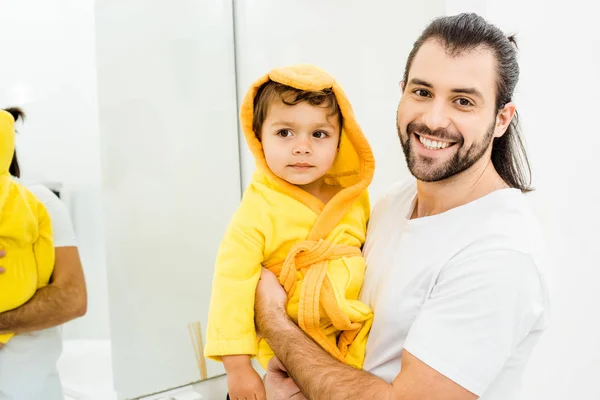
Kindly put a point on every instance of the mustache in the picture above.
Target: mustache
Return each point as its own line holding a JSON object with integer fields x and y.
{"x": 443, "y": 134}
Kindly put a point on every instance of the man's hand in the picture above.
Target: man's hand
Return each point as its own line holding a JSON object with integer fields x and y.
{"x": 270, "y": 315}
{"x": 279, "y": 384}
{"x": 271, "y": 300}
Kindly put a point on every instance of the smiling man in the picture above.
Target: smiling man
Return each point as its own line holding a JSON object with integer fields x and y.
{"x": 454, "y": 256}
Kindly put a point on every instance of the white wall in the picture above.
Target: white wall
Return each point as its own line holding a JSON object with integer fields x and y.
{"x": 48, "y": 68}
{"x": 170, "y": 172}
{"x": 362, "y": 45}
{"x": 559, "y": 101}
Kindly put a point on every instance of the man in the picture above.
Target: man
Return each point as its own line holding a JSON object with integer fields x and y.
{"x": 28, "y": 361}
{"x": 454, "y": 258}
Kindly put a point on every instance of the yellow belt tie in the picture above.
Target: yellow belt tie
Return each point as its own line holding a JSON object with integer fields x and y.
{"x": 311, "y": 259}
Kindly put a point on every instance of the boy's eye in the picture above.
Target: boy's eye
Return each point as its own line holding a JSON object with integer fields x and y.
{"x": 284, "y": 133}
{"x": 320, "y": 134}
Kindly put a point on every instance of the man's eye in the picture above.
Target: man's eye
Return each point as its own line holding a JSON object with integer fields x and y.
{"x": 463, "y": 102}
{"x": 422, "y": 93}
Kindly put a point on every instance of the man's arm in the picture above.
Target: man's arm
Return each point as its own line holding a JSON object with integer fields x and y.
{"x": 64, "y": 299}
{"x": 319, "y": 376}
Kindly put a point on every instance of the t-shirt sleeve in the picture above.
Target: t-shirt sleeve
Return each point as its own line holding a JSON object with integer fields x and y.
{"x": 63, "y": 234}
{"x": 478, "y": 312}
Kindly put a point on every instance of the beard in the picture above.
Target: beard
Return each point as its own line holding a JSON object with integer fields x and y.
{"x": 429, "y": 169}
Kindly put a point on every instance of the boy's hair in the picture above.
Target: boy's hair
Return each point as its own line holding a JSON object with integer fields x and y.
{"x": 290, "y": 96}
{"x": 14, "y": 168}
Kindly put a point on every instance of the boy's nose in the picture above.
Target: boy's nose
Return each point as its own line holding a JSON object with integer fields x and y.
{"x": 302, "y": 147}
{"x": 302, "y": 150}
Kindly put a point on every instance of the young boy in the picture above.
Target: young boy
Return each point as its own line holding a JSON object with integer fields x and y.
{"x": 303, "y": 216}
{"x": 25, "y": 230}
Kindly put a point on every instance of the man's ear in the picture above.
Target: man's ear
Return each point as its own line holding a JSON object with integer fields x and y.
{"x": 504, "y": 118}
{"x": 402, "y": 85}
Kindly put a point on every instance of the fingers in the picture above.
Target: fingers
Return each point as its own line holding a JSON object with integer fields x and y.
{"x": 256, "y": 396}
{"x": 276, "y": 367}
{"x": 279, "y": 385}
{"x": 261, "y": 395}
{"x": 266, "y": 274}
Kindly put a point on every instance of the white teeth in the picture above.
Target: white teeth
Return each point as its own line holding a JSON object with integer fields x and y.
{"x": 433, "y": 144}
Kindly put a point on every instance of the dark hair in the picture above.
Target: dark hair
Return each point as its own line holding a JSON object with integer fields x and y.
{"x": 466, "y": 32}
{"x": 17, "y": 114}
{"x": 290, "y": 96}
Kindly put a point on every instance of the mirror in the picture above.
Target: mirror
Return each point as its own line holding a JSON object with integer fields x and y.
{"x": 171, "y": 180}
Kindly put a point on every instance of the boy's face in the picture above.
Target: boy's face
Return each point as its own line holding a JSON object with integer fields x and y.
{"x": 300, "y": 142}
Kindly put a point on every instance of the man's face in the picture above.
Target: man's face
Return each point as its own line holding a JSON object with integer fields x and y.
{"x": 447, "y": 114}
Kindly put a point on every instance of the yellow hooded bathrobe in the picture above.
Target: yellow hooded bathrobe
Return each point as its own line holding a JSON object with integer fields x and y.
{"x": 25, "y": 232}
{"x": 313, "y": 248}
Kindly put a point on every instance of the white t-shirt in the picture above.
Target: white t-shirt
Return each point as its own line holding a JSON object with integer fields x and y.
{"x": 62, "y": 229}
{"x": 28, "y": 361}
{"x": 463, "y": 291}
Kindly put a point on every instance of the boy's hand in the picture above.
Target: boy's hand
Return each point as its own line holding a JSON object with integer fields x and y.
{"x": 245, "y": 384}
